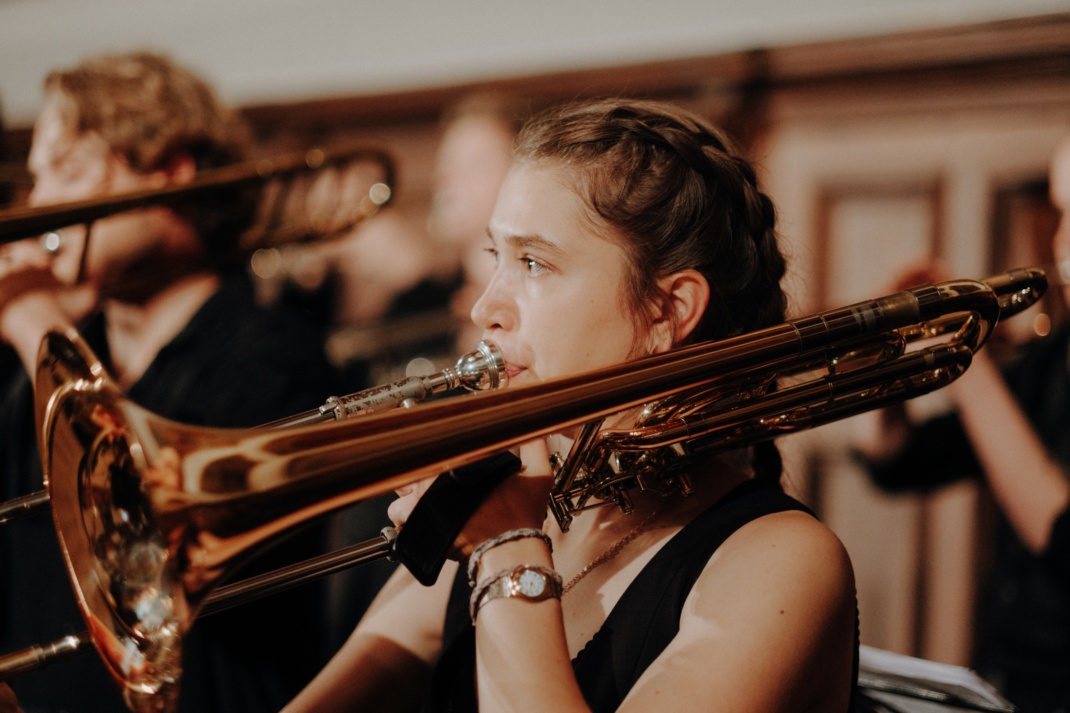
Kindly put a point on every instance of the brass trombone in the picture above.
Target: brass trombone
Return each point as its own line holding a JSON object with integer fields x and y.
{"x": 298, "y": 197}
{"x": 153, "y": 515}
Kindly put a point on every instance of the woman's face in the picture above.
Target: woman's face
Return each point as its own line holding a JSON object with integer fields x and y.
{"x": 554, "y": 304}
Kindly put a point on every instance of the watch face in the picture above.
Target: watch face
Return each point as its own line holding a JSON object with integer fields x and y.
{"x": 531, "y": 583}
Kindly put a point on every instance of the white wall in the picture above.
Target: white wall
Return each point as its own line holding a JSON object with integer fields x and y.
{"x": 278, "y": 50}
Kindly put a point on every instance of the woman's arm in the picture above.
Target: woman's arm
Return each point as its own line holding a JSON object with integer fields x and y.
{"x": 384, "y": 664}
{"x": 522, "y": 660}
{"x": 1029, "y": 486}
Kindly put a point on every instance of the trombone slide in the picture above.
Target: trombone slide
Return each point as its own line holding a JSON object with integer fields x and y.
{"x": 191, "y": 503}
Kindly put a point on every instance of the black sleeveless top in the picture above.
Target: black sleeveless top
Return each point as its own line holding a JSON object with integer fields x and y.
{"x": 640, "y": 626}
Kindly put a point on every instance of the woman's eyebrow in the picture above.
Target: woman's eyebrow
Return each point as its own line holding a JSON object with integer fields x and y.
{"x": 534, "y": 241}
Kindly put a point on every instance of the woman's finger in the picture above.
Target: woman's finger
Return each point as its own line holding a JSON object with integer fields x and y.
{"x": 536, "y": 458}
{"x": 408, "y": 496}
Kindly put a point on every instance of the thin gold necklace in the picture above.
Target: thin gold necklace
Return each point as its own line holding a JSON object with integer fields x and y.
{"x": 614, "y": 550}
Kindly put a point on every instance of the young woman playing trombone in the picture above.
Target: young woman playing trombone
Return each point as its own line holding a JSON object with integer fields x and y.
{"x": 623, "y": 229}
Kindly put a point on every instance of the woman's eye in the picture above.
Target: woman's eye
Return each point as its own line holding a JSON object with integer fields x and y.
{"x": 533, "y": 266}
{"x": 493, "y": 253}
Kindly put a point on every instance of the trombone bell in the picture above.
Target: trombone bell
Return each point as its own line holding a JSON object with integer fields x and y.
{"x": 152, "y": 514}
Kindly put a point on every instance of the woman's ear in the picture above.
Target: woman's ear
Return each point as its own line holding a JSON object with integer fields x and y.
{"x": 685, "y": 297}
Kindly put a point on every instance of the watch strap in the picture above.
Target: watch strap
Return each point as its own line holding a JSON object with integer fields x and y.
{"x": 527, "y": 582}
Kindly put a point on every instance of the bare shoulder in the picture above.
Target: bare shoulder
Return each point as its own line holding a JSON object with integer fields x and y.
{"x": 788, "y": 538}
{"x": 783, "y": 557}
{"x": 768, "y": 626}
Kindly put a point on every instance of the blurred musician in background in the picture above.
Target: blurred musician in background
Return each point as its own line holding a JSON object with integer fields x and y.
{"x": 436, "y": 270}
{"x": 163, "y": 298}
{"x": 622, "y": 229}
{"x": 473, "y": 157}
{"x": 1012, "y": 430}
{"x": 401, "y": 285}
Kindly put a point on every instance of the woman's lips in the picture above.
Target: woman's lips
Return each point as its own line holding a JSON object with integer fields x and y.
{"x": 513, "y": 371}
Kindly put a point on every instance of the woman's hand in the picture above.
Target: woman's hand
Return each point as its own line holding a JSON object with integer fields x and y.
{"x": 408, "y": 496}
{"x": 518, "y": 502}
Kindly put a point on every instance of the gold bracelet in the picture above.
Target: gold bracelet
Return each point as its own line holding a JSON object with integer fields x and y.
{"x": 510, "y": 536}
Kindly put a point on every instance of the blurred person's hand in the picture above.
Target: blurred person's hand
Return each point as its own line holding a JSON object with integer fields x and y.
{"x": 8, "y": 702}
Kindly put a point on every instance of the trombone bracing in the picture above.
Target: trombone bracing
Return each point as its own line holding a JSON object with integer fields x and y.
{"x": 153, "y": 515}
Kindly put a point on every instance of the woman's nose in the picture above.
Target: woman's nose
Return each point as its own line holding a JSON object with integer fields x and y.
{"x": 493, "y": 309}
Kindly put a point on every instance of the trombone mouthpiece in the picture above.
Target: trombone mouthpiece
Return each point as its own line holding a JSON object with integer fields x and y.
{"x": 482, "y": 369}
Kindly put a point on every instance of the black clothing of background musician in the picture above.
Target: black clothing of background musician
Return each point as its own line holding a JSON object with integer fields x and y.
{"x": 234, "y": 365}
{"x": 1023, "y": 620}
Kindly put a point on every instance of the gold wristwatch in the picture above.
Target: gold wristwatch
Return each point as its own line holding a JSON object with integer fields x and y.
{"x": 531, "y": 583}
